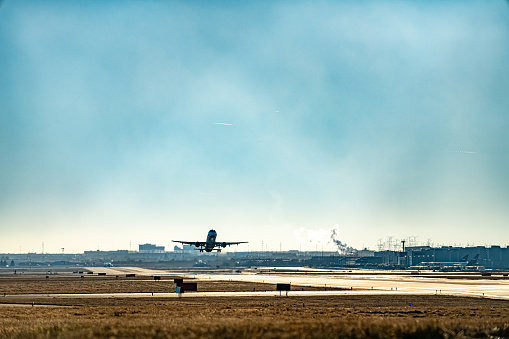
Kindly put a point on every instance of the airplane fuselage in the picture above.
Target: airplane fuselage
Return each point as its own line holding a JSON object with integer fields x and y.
{"x": 211, "y": 241}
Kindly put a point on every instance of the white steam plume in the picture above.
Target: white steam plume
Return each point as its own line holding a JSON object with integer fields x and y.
{"x": 328, "y": 238}
{"x": 342, "y": 247}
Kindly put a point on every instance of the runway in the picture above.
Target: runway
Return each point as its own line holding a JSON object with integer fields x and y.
{"x": 351, "y": 283}
{"x": 383, "y": 284}
{"x": 206, "y": 294}
{"x": 127, "y": 270}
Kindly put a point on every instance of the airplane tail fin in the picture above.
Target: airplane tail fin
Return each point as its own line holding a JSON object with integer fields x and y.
{"x": 474, "y": 261}
{"x": 465, "y": 258}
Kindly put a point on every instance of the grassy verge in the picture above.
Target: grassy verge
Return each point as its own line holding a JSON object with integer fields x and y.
{"x": 265, "y": 317}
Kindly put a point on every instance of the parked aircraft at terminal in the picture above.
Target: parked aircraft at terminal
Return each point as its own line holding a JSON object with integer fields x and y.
{"x": 464, "y": 264}
{"x": 210, "y": 244}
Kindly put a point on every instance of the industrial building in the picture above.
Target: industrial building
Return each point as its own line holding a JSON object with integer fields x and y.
{"x": 150, "y": 248}
{"x": 413, "y": 257}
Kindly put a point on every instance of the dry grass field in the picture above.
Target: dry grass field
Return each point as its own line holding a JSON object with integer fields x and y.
{"x": 353, "y": 316}
{"x": 26, "y": 284}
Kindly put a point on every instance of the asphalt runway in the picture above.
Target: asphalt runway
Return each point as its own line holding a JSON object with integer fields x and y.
{"x": 158, "y": 296}
{"x": 381, "y": 284}
{"x": 127, "y": 270}
{"x": 358, "y": 283}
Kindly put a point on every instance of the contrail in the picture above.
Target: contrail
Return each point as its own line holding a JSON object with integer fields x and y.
{"x": 221, "y": 123}
{"x": 466, "y": 152}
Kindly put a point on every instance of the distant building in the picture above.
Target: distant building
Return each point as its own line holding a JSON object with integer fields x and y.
{"x": 188, "y": 248}
{"x": 184, "y": 249}
{"x": 150, "y": 248}
{"x": 364, "y": 253}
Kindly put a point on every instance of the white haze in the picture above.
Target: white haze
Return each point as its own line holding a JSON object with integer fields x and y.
{"x": 131, "y": 122}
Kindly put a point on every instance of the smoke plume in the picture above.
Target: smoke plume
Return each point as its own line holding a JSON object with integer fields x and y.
{"x": 343, "y": 248}
{"x": 323, "y": 237}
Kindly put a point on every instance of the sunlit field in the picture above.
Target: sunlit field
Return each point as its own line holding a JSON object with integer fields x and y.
{"x": 350, "y": 316}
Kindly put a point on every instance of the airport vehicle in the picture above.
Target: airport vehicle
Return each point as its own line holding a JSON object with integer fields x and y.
{"x": 210, "y": 244}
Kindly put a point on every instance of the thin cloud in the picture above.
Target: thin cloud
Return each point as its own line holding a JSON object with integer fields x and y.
{"x": 80, "y": 144}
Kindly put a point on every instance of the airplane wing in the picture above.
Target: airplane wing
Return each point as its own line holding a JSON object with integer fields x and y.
{"x": 224, "y": 244}
{"x": 194, "y": 243}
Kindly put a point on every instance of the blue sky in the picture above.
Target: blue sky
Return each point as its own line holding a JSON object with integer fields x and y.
{"x": 133, "y": 122}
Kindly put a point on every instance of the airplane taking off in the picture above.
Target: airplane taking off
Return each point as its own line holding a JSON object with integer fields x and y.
{"x": 211, "y": 244}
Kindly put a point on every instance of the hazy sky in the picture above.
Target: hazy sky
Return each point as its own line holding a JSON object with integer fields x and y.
{"x": 146, "y": 121}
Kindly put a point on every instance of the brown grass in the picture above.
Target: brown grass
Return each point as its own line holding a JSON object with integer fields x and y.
{"x": 110, "y": 284}
{"x": 264, "y": 317}
{"x": 350, "y": 316}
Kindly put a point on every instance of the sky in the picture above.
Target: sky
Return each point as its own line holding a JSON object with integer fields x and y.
{"x": 273, "y": 122}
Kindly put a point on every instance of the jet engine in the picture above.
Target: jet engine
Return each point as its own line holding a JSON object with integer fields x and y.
{"x": 223, "y": 244}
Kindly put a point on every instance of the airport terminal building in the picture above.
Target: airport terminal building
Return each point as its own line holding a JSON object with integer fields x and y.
{"x": 475, "y": 258}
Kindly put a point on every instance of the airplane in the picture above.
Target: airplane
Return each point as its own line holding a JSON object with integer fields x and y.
{"x": 210, "y": 244}
{"x": 464, "y": 264}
